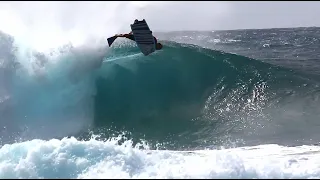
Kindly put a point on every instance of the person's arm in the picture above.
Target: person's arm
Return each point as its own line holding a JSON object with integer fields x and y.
{"x": 119, "y": 35}
{"x": 129, "y": 36}
{"x": 112, "y": 39}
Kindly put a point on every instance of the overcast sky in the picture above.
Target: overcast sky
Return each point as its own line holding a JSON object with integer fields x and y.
{"x": 175, "y": 15}
{"x": 213, "y": 15}
{"x": 62, "y": 20}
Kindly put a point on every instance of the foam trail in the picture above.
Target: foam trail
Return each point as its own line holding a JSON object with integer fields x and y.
{"x": 69, "y": 158}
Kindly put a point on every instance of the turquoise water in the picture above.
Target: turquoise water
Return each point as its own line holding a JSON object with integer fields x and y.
{"x": 253, "y": 92}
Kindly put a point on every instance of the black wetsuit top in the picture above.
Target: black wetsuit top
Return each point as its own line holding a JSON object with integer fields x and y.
{"x": 131, "y": 36}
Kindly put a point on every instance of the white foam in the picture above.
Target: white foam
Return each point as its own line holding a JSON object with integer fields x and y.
{"x": 69, "y": 158}
{"x": 53, "y": 95}
{"x": 46, "y": 25}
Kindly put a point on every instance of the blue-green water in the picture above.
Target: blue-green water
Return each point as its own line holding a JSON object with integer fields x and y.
{"x": 203, "y": 90}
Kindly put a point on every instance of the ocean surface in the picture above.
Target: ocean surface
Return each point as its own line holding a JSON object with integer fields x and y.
{"x": 214, "y": 104}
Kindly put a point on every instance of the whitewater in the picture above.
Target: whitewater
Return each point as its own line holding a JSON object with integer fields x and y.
{"x": 211, "y": 104}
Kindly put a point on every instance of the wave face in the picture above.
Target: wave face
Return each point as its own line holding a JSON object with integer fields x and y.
{"x": 201, "y": 95}
{"x": 184, "y": 97}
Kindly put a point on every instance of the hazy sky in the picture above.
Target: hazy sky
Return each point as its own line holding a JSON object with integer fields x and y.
{"x": 174, "y": 15}
{"x": 213, "y": 15}
{"x": 54, "y": 22}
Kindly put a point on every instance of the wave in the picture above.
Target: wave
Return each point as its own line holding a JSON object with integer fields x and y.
{"x": 184, "y": 94}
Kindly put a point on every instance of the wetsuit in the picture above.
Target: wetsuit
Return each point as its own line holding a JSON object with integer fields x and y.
{"x": 131, "y": 36}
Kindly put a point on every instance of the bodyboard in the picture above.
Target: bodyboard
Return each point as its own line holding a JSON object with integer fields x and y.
{"x": 143, "y": 37}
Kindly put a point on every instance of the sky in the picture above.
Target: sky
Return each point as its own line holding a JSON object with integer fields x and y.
{"x": 57, "y": 22}
{"x": 175, "y": 15}
{"x": 215, "y": 15}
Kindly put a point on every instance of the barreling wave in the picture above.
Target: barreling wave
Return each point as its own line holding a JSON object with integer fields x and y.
{"x": 195, "y": 94}
{"x": 184, "y": 94}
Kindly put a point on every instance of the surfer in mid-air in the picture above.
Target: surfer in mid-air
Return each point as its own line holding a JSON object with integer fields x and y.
{"x": 142, "y": 35}
{"x": 131, "y": 37}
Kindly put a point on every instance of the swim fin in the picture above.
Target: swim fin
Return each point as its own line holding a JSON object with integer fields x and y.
{"x": 111, "y": 40}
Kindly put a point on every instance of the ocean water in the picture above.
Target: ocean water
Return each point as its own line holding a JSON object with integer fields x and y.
{"x": 214, "y": 104}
